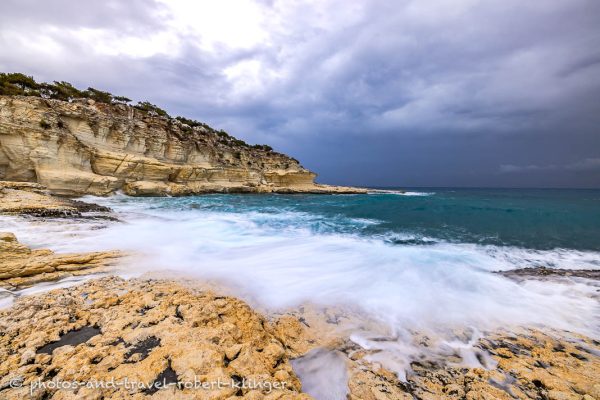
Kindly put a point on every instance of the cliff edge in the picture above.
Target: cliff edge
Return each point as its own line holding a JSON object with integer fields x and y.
{"x": 83, "y": 147}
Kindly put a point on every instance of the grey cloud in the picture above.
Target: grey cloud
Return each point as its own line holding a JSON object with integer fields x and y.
{"x": 520, "y": 168}
{"x": 421, "y": 92}
{"x": 588, "y": 164}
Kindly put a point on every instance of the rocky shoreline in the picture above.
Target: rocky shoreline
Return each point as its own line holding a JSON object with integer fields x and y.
{"x": 21, "y": 266}
{"x": 148, "y": 331}
{"x": 168, "y": 331}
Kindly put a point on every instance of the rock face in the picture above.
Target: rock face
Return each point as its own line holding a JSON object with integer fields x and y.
{"x": 84, "y": 147}
{"x": 20, "y": 266}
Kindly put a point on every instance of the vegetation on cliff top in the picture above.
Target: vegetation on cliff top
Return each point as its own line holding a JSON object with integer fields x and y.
{"x": 18, "y": 84}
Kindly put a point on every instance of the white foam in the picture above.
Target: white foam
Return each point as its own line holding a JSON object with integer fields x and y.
{"x": 416, "y": 194}
{"x": 323, "y": 374}
{"x": 401, "y": 192}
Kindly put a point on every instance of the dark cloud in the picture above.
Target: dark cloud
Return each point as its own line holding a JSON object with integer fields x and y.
{"x": 414, "y": 93}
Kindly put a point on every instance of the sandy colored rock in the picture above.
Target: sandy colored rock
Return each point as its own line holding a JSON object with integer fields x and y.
{"x": 141, "y": 329}
{"x": 81, "y": 147}
{"x": 27, "y": 198}
{"x": 21, "y": 266}
{"x": 146, "y": 329}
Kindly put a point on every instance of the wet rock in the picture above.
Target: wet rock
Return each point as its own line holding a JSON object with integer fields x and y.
{"x": 543, "y": 272}
{"x": 141, "y": 349}
{"x": 165, "y": 379}
{"x": 521, "y": 364}
{"x": 71, "y": 338}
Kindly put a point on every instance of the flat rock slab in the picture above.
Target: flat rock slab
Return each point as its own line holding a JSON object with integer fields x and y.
{"x": 24, "y": 198}
{"x": 21, "y": 266}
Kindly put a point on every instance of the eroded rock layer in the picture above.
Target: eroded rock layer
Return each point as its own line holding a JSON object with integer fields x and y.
{"x": 21, "y": 266}
{"x": 84, "y": 147}
{"x": 25, "y": 198}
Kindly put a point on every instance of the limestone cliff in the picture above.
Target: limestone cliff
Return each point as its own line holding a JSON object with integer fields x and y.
{"x": 86, "y": 147}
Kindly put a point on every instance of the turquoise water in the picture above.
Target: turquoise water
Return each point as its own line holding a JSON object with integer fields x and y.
{"x": 535, "y": 219}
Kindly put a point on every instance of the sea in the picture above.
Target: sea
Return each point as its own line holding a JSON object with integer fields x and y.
{"x": 416, "y": 260}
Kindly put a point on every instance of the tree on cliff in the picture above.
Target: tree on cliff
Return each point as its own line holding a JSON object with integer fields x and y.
{"x": 18, "y": 84}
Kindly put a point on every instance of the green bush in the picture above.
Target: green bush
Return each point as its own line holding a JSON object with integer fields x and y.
{"x": 151, "y": 108}
{"x": 60, "y": 91}
{"x": 264, "y": 147}
{"x": 121, "y": 99}
{"x": 98, "y": 95}
{"x": 45, "y": 124}
{"x": 222, "y": 134}
{"x": 13, "y": 84}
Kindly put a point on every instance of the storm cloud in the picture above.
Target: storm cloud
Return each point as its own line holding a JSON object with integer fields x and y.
{"x": 380, "y": 93}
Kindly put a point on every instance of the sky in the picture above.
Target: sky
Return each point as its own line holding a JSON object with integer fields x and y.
{"x": 496, "y": 93}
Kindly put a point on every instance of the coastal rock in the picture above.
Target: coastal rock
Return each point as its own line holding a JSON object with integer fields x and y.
{"x": 20, "y": 266}
{"x": 142, "y": 332}
{"x": 33, "y": 199}
{"x": 77, "y": 148}
{"x": 545, "y": 272}
{"x": 514, "y": 364}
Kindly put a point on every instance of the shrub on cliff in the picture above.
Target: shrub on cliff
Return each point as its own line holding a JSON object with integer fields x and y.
{"x": 193, "y": 123}
{"x": 239, "y": 142}
{"x": 60, "y": 91}
{"x": 98, "y": 95}
{"x": 151, "y": 108}
{"x": 121, "y": 100}
{"x": 264, "y": 147}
